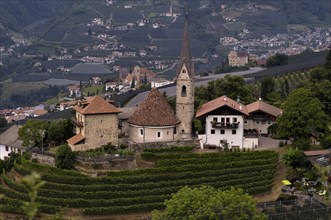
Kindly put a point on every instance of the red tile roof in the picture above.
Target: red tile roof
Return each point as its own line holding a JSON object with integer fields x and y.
{"x": 265, "y": 107}
{"x": 95, "y": 105}
{"x": 154, "y": 111}
{"x": 75, "y": 139}
{"x": 220, "y": 102}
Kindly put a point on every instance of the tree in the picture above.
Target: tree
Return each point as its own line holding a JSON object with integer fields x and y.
{"x": 32, "y": 183}
{"x": 3, "y": 122}
{"x": 295, "y": 158}
{"x": 267, "y": 87}
{"x": 32, "y": 133}
{"x": 327, "y": 64}
{"x": 277, "y": 60}
{"x": 59, "y": 131}
{"x": 302, "y": 114}
{"x": 64, "y": 157}
{"x": 206, "y": 202}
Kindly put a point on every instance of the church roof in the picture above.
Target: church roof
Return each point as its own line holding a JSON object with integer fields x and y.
{"x": 185, "y": 55}
{"x": 95, "y": 105}
{"x": 154, "y": 111}
{"x": 220, "y": 102}
{"x": 264, "y": 107}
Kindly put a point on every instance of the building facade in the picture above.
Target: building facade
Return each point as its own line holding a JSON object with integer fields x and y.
{"x": 238, "y": 58}
{"x": 235, "y": 125}
{"x": 96, "y": 124}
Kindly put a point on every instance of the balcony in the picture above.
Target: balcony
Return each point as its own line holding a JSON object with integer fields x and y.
{"x": 77, "y": 123}
{"x": 225, "y": 125}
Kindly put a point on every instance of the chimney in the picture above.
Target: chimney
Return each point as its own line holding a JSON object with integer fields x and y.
{"x": 224, "y": 99}
{"x": 240, "y": 107}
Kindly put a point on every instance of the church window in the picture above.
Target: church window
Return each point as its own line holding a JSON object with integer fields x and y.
{"x": 184, "y": 71}
{"x": 184, "y": 91}
{"x": 141, "y": 132}
{"x": 158, "y": 134}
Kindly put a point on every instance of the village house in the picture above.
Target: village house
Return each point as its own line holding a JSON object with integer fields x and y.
{"x": 73, "y": 90}
{"x": 96, "y": 80}
{"x": 9, "y": 142}
{"x": 238, "y": 126}
{"x": 160, "y": 82}
{"x": 261, "y": 116}
{"x": 238, "y": 58}
{"x": 96, "y": 124}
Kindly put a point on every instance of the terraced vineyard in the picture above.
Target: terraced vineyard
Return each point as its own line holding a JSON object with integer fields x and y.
{"x": 140, "y": 190}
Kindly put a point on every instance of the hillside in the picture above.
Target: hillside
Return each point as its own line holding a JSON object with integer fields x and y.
{"x": 141, "y": 190}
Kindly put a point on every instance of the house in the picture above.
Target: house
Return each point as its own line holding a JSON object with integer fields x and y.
{"x": 238, "y": 58}
{"x": 96, "y": 80}
{"x": 111, "y": 86}
{"x": 9, "y": 142}
{"x": 153, "y": 121}
{"x": 232, "y": 123}
{"x": 224, "y": 122}
{"x": 74, "y": 90}
{"x": 261, "y": 116}
{"x": 96, "y": 124}
{"x": 160, "y": 82}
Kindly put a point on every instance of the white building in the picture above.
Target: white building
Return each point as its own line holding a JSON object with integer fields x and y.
{"x": 224, "y": 122}
{"x": 9, "y": 142}
{"x": 160, "y": 82}
{"x": 262, "y": 116}
{"x": 227, "y": 121}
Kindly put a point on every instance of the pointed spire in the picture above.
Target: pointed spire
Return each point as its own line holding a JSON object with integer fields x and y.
{"x": 185, "y": 56}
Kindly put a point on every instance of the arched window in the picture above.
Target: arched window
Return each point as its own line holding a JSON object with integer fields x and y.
{"x": 184, "y": 91}
{"x": 184, "y": 71}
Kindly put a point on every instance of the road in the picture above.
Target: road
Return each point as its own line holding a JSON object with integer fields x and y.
{"x": 171, "y": 91}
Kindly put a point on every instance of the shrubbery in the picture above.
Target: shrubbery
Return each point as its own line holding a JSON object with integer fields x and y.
{"x": 64, "y": 157}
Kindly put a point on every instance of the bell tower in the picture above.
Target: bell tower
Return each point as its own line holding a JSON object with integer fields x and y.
{"x": 185, "y": 89}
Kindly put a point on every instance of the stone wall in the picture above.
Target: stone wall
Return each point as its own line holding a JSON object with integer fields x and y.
{"x": 137, "y": 147}
{"x": 44, "y": 159}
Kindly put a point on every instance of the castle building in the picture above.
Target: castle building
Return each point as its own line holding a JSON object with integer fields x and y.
{"x": 238, "y": 58}
{"x": 96, "y": 124}
{"x": 185, "y": 89}
{"x": 153, "y": 121}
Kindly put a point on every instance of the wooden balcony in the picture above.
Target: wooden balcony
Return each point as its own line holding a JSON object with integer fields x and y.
{"x": 77, "y": 123}
{"x": 225, "y": 125}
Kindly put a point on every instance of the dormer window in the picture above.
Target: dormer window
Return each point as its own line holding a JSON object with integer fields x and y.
{"x": 184, "y": 94}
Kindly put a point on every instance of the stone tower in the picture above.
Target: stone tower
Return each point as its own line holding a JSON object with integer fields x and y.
{"x": 185, "y": 89}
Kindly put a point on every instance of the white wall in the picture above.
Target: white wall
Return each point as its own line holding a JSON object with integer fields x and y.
{"x": 260, "y": 125}
{"x": 5, "y": 152}
{"x": 233, "y": 139}
{"x": 251, "y": 143}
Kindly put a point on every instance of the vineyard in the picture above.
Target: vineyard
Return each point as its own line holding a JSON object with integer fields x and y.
{"x": 293, "y": 79}
{"x": 134, "y": 191}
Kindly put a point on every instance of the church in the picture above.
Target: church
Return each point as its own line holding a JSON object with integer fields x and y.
{"x": 152, "y": 121}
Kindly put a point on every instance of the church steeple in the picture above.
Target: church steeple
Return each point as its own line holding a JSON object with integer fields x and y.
{"x": 185, "y": 55}
{"x": 185, "y": 89}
